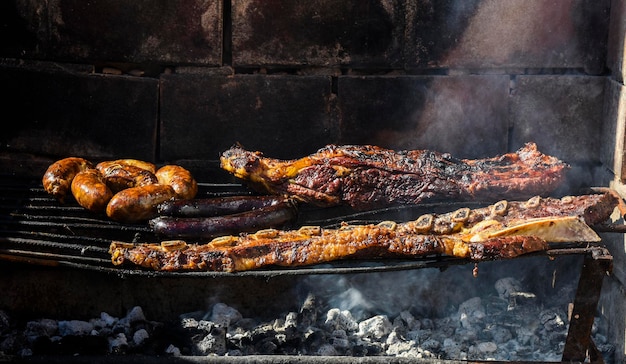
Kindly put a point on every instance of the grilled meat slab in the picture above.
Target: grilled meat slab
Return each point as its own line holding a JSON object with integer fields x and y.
{"x": 499, "y": 231}
{"x": 368, "y": 176}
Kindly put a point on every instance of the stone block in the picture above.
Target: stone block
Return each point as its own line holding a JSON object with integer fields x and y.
{"x": 105, "y": 31}
{"x": 63, "y": 113}
{"x": 317, "y": 33}
{"x": 282, "y": 116}
{"x": 614, "y": 129}
{"x": 462, "y": 115}
{"x": 562, "y": 114}
{"x": 480, "y": 34}
{"x": 617, "y": 37}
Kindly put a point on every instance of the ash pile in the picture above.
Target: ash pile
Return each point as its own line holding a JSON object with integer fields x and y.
{"x": 508, "y": 324}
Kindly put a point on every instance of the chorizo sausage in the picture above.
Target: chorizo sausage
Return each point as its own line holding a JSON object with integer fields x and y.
{"x": 180, "y": 179}
{"x": 57, "y": 180}
{"x": 130, "y": 162}
{"x": 138, "y": 203}
{"x": 120, "y": 176}
{"x": 90, "y": 190}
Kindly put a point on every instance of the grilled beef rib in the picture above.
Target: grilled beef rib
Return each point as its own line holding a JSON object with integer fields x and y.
{"x": 367, "y": 176}
{"x": 499, "y": 231}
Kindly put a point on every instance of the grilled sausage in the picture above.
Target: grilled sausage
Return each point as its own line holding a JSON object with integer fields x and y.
{"x": 57, "y": 180}
{"x": 90, "y": 190}
{"x": 180, "y": 179}
{"x": 216, "y": 206}
{"x": 138, "y": 203}
{"x": 210, "y": 227}
{"x": 120, "y": 176}
{"x": 131, "y": 162}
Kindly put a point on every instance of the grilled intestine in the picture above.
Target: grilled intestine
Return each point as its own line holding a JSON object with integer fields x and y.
{"x": 502, "y": 230}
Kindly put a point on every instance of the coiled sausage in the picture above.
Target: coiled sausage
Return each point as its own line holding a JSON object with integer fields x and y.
{"x": 121, "y": 175}
{"x": 138, "y": 203}
{"x": 131, "y": 162}
{"x": 180, "y": 179}
{"x": 57, "y": 180}
{"x": 90, "y": 190}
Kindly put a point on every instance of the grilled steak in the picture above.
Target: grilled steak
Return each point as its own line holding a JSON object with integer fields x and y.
{"x": 502, "y": 230}
{"x": 368, "y": 176}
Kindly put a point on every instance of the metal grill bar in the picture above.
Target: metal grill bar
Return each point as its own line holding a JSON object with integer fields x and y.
{"x": 34, "y": 229}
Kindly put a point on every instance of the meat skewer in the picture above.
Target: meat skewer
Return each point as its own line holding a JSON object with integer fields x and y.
{"x": 502, "y": 230}
{"x": 366, "y": 177}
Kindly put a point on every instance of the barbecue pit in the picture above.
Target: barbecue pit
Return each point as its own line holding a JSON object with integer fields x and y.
{"x": 180, "y": 85}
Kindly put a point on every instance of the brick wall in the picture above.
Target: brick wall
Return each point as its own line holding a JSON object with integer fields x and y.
{"x": 182, "y": 83}
{"x": 178, "y": 83}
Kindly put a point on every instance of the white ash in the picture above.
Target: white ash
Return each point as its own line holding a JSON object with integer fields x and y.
{"x": 102, "y": 335}
{"x": 505, "y": 323}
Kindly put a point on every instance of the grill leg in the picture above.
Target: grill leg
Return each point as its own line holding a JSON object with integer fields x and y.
{"x": 595, "y": 266}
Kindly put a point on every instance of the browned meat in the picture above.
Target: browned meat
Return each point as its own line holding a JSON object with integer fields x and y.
{"x": 138, "y": 203}
{"x": 180, "y": 179}
{"x": 121, "y": 174}
{"x": 150, "y": 167}
{"x": 368, "y": 176}
{"x": 57, "y": 180}
{"x": 198, "y": 228}
{"x": 502, "y": 230}
{"x": 90, "y": 190}
{"x": 216, "y": 206}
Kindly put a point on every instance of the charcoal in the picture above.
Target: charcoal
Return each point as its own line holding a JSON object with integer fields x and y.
{"x": 135, "y": 314}
{"x": 266, "y": 346}
{"x": 75, "y": 327}
{"x": 487, "y": 347}
{"x": 5, "y": 322}
{"x": 118, "y": 344}
{"x": 500, "y": 334}
{"x": 375, "y": 328}
{"x": 108, "y": 319}
{"x": 340, "y": 320}
{"x": 140, "y": 336}
{"x": 480, "y": 328}
{"x": 471, "y": 312}
{"x": 224, "y": 315}
{"x": 172, "y": 350}
{"x": 43, "y": 327}
{"x": 213, "y": 343}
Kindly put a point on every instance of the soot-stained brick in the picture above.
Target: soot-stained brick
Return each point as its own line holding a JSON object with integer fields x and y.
{"x": 462, "y": 115}
{"x": 282, "y": 116}
{"x": 318, "y": 33}
{"x": 62, "y": 114}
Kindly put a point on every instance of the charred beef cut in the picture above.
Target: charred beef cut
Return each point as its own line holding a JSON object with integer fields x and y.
{"x": 368, "y": 176}
{"x": 502, "y": 230}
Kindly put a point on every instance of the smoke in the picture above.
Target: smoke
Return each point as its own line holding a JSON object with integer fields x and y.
{"x": 435, "y": 293}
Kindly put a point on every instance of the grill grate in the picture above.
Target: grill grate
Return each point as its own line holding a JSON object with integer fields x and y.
{"x": 36, "y": 229}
